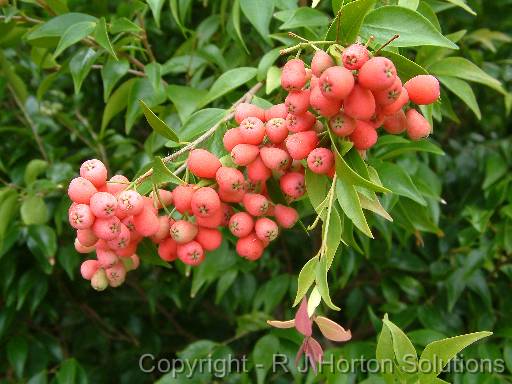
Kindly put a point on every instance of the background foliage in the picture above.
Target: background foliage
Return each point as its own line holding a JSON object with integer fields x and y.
{"x": 66, "y": 98}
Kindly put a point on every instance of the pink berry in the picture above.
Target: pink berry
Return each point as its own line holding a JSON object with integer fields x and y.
{"x": 300, "y": 144}
{"x": 417, "y": 126}
{"x": 130, "y": 202}
{"x": 364, "y": 136}
{"x": 231, "y": 196}
{"x": 276, "y": 130}
{"x": 80, "y": 190}
{"x": 397, "y": 105}
{"x": 80, "y": 216}
{"x": 107, "y": 229}
{"x": 116, "y": 184}
{"x": 183, "y": 231}
{"x": 300, "y": 123}
{"x": 103, "y": 205}
{"x": 395, "y": 123}
{"x": 116, "y": 274}
{"x": 258, "y": 171}
{"x": 252, "y": 130}
{"x": 122, "y": 240}
{"x": 205, "y": 202}
{"x": 360, "y": 104}
{"x": 241, "y": 224}
{"x": 146, "y": 222}
{"x": 342, "y": 125}
{"x": 320, "y": 160}
{"x": 321, "y": 61}
{"x": 389, "y": 95}
{"x": 86, "y": 237}
{"x": 377, "y": 74}
{"x": 211, "y": 222}
{"x": 336, "y": 83}
{"x": 276, "y": 111}
{"x": 250, "y": 247}
{"x": 203, "y": 163}
{"x": 354, "y": 56}
{"x": 293, "y": 76}
{"x": 167, "y": 249}
{"x": 182, "y": 196}
{"x": 293, "y": 185}
{"x": 106, "y": 258}
{"x": 94, "y": 171}
{"x": 297, "y": 102}
{"x": 275, "y": 158}
{"x": 286, "y": 216}
{"x": 244, "y": 110}
{"x": 231, "y": 138}
{"x": 256, "y": 204}
{"x": 162, "y": 199}
{"x": 244, "y": 154}
{"x": 80, "y": 248}
{"x": 191, "y": 253}
{"x": 230, "y": 179}
{"x": 423, "y": 89}
{"x": 266, "y": 229}
{"x": 209, "y": 238}
{"x": 324, "y": 106}
{"x": 89, "y": 268}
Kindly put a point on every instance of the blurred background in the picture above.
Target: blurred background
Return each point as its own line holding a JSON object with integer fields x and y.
{"x": 449, "y": 275}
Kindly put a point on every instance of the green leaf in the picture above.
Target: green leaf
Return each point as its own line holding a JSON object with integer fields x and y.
{"x": 262, "y": 355}
{"x": 352, "y": 16}
{"x": 73, "y": 35}
{"x": 390, "y": 146}
{"x": 157, "y": 124}
{"x": 45, "y": 240}
{"x": 322, "y": 284}
{"x": 462, "y": 4}
{"x": 48, "y": 34}
{"x": 374, "y": 205}
{"x": 305, "y": 17}
{"x": 266, "y": 62}
{"x": 384, "y": 353}
{"x": 317, "y": 187}
{"x": 235, "y": 18}
{"x": 162, "y": 174}
{"x": 350, "y": 204}
{"x": 33, "y": 170}
{"x": 306, "y": 278}
{"x": 124, "y": 25}
{"x": 58, "y": 6}
{"x": 259, "y": 13}
{"x": 141, "y": 90}
{"x": 17, "y": 352}
{"x": 156, "y": 9}
{"x": 395, "y": 178}
{"x": 101, "y": 37}
{"x": 440, "y": 352}
{"x": 462, "y": 90}
{"x": 186, "y": 99}
{"x": 464, "y": 69}
{"x": 333, "y": 235}
{"x": 495, "y": 169}
{"x": 33, "y": 210}
{"x": 153, "y": 72}
{"x": 39, "y": 378}
{"x": 273, "y": 79}
{"x": 406, "y": 68}
{"x": 413, "y": 28}
{"x": 411, "y": 4}
{"x": 71, "y": 372}
{"x": 80, "y": 66}
{"x": 200, "y": 122}
{"x": 176, "y": 15}
{"x": 116, "y": 103}
{"x": 111, "y": 72}
{"x": 402, "y": 347}
{"x": 228, "y": 81}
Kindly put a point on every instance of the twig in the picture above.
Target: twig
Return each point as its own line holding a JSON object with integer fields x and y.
{"x": 30, "y": 123}
{"x": 245, "y": 98}
{"x": 303, "y": 45}
{"x": 22, "y": 18}
{"x": 386, "y": 44}
{"x": 132, "y": 71}
{"x": 144, "y": 38}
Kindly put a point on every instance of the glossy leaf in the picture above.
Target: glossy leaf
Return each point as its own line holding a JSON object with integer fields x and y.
{"x": 157, "y": 124}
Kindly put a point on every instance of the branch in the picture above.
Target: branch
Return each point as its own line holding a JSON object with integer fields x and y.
{"x": 245, "y": 98}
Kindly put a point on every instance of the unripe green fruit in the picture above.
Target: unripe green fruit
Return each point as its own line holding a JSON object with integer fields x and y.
{"x": 99, "y": 280}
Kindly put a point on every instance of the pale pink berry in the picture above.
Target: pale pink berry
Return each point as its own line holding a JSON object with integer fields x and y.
{"x": 89, "y": 268}
{"x": 321, "y": 160}
{"x": 107, "y": 229}
{"x": 122, "y": 240}
{"x": 183, "y": 231}
{"x": 80, "y": 216}
{"x": 130, "y": 202}
{"x": 266, "y": 229}
{"x": 116, "y": 184}
{"x": 94, "y": 171}
{"x": 86, "y": 237}
{"x": 191, "y": 253}
{"x": 293, "y": 185}
{"x": 116, "y": 274}
{"x": 103, "y": 205}
{"x": 80, "y": 190}
{"x": 80, "y": 248}
{"x": 106, "y": 258}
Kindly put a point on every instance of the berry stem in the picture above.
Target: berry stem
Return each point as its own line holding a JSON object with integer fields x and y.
{"x": 245, "y": 98}
{"x": 386, "y": 44}
{"x": 304, "y": 45}
{"x": 291, "y": 34}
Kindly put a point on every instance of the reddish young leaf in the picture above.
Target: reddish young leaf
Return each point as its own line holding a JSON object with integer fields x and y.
{"x": 332, "y": 330}
{"x": 300, "y": 352}
{"x": 303, "y": 323}
{"x": 314, "y": 352}
{"x": 281, "y": 324}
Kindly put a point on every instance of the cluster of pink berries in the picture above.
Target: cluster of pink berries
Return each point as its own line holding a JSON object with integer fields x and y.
{"x": 355, "y": 99}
